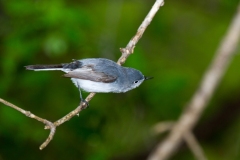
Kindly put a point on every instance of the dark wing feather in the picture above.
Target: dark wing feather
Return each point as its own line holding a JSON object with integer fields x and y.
{"x": 89, "y": 74}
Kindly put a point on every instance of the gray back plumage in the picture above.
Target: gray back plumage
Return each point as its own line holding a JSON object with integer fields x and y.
{"x": 128, "y": 75}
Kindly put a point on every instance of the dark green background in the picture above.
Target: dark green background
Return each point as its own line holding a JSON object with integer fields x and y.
{"x": 176, "y": 49}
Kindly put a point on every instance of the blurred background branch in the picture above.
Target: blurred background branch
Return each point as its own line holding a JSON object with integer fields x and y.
{"x": 194, "y": 145}
{"x": 188, "y": 137}
{"x": 198, "y": 103}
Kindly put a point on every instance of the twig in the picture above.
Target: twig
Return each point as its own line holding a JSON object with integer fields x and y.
{"x": 194, "y": 146}
{"x": 29, "y": 114}
{"x": 131, "y": 44}
{"x": 125, "y": 53}
{"x": 72, "y": 113}
{"x": 50, "y": 137}
{"x": 200, "y": 99}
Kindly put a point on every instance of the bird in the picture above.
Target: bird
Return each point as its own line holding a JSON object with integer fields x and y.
{"x": 98, "y": 75}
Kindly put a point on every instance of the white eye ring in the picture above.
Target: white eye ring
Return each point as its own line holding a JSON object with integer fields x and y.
{"x": 135, "y": 81}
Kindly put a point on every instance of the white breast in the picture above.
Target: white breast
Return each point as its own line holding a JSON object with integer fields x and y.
{"x": 97, "y": 87}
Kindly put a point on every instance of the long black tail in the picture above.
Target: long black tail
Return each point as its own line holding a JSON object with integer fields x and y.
{"x": 40, "y": 67}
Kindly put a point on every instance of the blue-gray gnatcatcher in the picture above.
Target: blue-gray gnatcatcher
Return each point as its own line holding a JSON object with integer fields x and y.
{"x": 97, "y": 75}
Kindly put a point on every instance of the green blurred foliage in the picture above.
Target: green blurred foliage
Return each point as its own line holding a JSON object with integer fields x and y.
{"x": 176, "y": 49}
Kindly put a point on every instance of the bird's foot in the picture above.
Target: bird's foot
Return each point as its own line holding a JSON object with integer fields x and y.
{"x": 85, "y": 103}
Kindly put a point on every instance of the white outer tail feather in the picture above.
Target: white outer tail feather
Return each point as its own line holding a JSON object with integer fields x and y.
{"x": 49, "y": 69}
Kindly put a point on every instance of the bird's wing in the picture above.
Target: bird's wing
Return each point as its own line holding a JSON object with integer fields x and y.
{"x": 88, "y": 73}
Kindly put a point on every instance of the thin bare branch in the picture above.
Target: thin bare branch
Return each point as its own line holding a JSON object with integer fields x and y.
{"x": 130, "y": 46}
{"x": 29, "y": 114}
{"x": 50, "y": 137}
{"x": 72, "y": 113}
{"x": 26, "y": 113}
{"x": 205, "y": 91}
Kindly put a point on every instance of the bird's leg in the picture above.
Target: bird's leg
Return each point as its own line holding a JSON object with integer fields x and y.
{"x": 81, "y": 98}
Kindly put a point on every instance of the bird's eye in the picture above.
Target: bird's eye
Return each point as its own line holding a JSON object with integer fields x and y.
{"x": 135, "y": 81}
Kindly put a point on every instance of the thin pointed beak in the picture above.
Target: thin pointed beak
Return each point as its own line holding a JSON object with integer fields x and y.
{"x": 147, "y": 78}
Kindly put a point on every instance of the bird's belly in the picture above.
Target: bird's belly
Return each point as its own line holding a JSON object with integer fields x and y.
{"x": 97, "y": 87}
